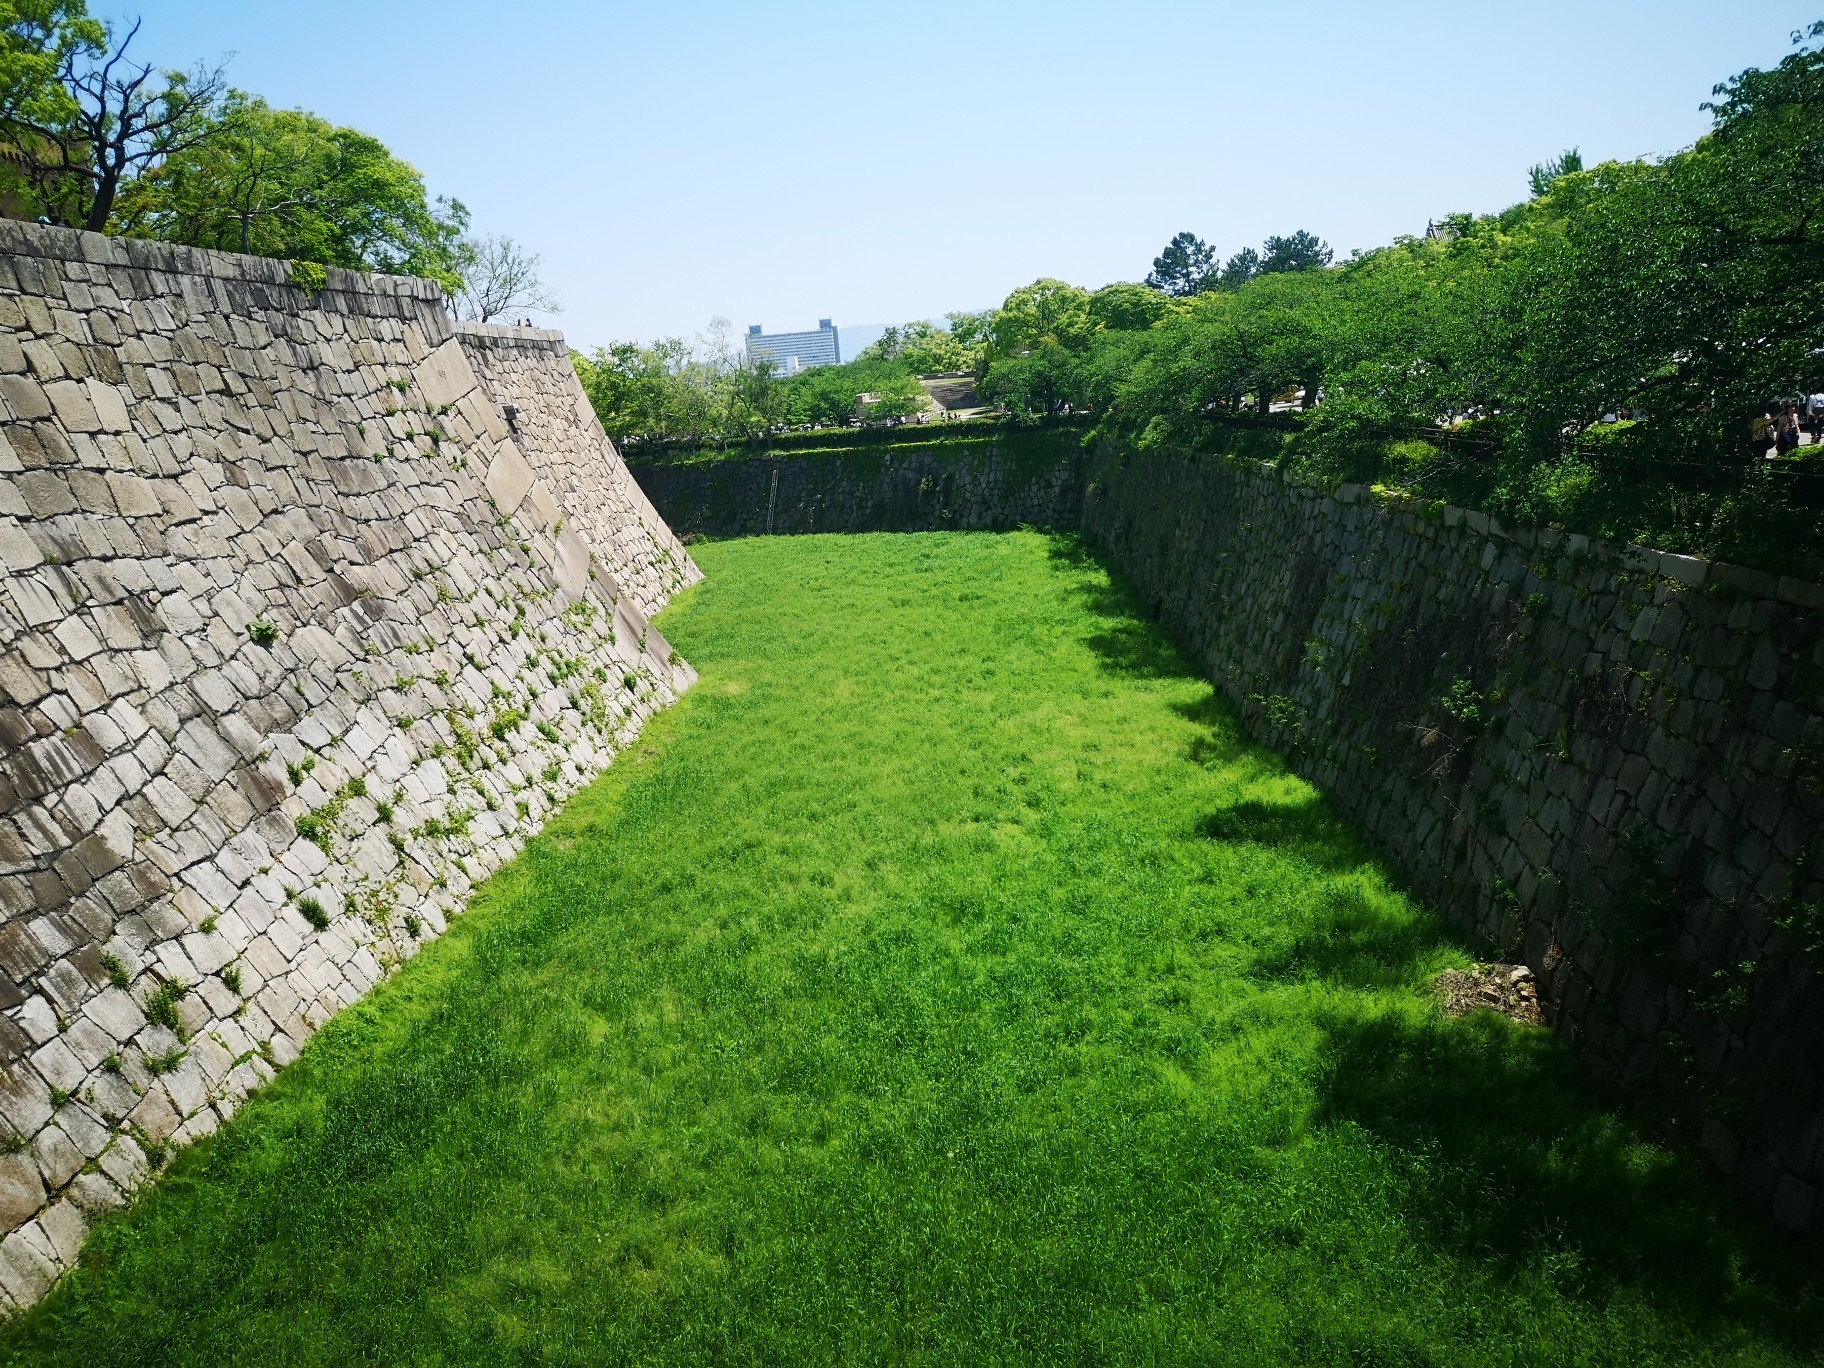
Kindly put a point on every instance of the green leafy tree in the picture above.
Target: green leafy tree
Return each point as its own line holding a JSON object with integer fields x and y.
{"x": 924, "y": 349}
{"x": 896, "y": 396}
{"x": 37, "y": 39}
{"x": 634, "y": 389}
{"x": 1044, "y": 312}
{"x": 1239, "y": 269}
{"x": 1184, "y": 268}
{"x": 1124, "y": 307}
{"x": 828, "y": 395}
{"x": 1040, "y": 380}
{"x": 1301, "y": 251}
{"x": 972, "y": 329}
{"x": 1036, "y": 338}
{"x": 287, "y": 183}
{"x": 1541, "y": 178}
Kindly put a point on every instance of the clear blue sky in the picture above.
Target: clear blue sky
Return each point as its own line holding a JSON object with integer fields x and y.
{"x": 780, "y": 162}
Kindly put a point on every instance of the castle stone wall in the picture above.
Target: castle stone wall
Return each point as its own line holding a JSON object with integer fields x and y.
{"x": 924, "y": 484}
{"x": 299, "y": 640}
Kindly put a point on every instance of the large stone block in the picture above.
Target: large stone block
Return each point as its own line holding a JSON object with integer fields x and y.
{"x": 510, "y": 478}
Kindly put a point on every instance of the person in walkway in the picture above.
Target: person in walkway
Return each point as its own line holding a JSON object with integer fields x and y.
{"x": 1787, "y": 435}
{"x": 1814, "y": 411}
{"x": 1760, "y": 437}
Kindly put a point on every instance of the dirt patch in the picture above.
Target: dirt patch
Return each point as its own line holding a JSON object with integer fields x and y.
{"x": 1505, "y": 988}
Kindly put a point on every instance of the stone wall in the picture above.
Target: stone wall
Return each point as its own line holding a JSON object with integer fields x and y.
{"x": 299, "y": 640}
{"x": 1606, "y": 760}
{"x": 927, "y": 480}
{"x": 1610, "y": 761}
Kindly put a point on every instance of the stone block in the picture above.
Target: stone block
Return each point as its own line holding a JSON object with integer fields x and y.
{"x": 73, "y": 406}
{"x": 46, "y": 493}
{"x": 573, "y": 558}
{"x": 58, "y": 1158}
{"x": 25, "y": 1273}
{"x": 1794, "y": 1202}
{"x": 65, "y": 1226}
{"x": 21, "y": 1190}
{"x": 509, "y": 478}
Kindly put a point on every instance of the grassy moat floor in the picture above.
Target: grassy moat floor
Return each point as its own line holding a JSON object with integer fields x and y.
{"x": 942, "y": 981}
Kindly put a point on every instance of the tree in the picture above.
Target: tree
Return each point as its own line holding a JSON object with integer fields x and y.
{"x": 1300, "y": 252}
{"x": 287, "y": 183}
{"x": 1124, "y": 307}
{"x": 108, "y": 119}
{"x": 1040, "y": 380}
{"x": 256, "y": 164}
{"x": 1542, "y": 177}
{"x": 1046, "y": 311}
{"x": 971, "y": 329}
{"x": 893, "y": 397}
{"x": 825, "y": 395}
{"x": 631, "y": 387}
{"x": 1184, "y": 268}
{"x": 36, "y": 38}
{"x": 1240, "y": 269}
{"x": 500, "y": 277}
{"x": 924, "y": 349}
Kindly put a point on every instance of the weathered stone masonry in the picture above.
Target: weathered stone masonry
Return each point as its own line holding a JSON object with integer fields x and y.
{"x": 920, "y": 484}
{"x": 1606, "y": 759}
{"x": 298, "y": 641}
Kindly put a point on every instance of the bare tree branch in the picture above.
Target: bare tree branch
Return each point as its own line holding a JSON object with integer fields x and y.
{"x": 121, "y": 118}
{"x": 500, "y": 276}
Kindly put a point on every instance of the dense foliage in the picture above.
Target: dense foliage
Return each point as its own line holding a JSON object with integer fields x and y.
{"x": 1592, "y": 356}
{"x": 285, "y": 183}
{"x": 711, "y": 393}
{"x": 91, "y": 138}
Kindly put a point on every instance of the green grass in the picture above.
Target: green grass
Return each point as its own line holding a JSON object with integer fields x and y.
{"x": 942, "y": 982}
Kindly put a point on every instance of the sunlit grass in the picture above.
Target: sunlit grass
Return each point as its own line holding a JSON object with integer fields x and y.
{"x": 942, "y": 981}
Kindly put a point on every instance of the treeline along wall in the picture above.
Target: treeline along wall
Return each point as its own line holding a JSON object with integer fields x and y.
{"x": 1605, "y": 760}
{"x": 300, "y": 637}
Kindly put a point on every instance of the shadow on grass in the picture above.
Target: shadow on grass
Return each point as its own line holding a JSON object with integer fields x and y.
{"x": 1129, "y": 644}
{"x": 1508, "y": 1162}
{"x": 1303, "y": 828}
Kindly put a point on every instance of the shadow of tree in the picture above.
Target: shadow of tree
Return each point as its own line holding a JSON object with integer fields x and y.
{"x": 1303, "y": 827}
{"x": 1355, "y": 939}
{"x": 1130, "y": 644}
{"x": 1507, "y": 1161}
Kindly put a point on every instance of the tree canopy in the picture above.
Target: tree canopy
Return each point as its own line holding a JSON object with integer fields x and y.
{"x": 1584, "y": 357}
{"x": 281, "y": 182}
{"x": 924, "y": 349}
{"x": 91, "y": 137}
{"x": 1184, "y": 267}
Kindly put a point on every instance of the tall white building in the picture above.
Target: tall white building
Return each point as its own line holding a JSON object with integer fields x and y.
{"x": 796, "y": 351}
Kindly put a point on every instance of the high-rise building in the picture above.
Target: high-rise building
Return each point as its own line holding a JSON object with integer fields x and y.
{"x": 793, "y": 352}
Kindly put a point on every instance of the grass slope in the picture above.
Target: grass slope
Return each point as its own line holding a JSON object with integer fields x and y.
{"x": 943, "y": 982}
